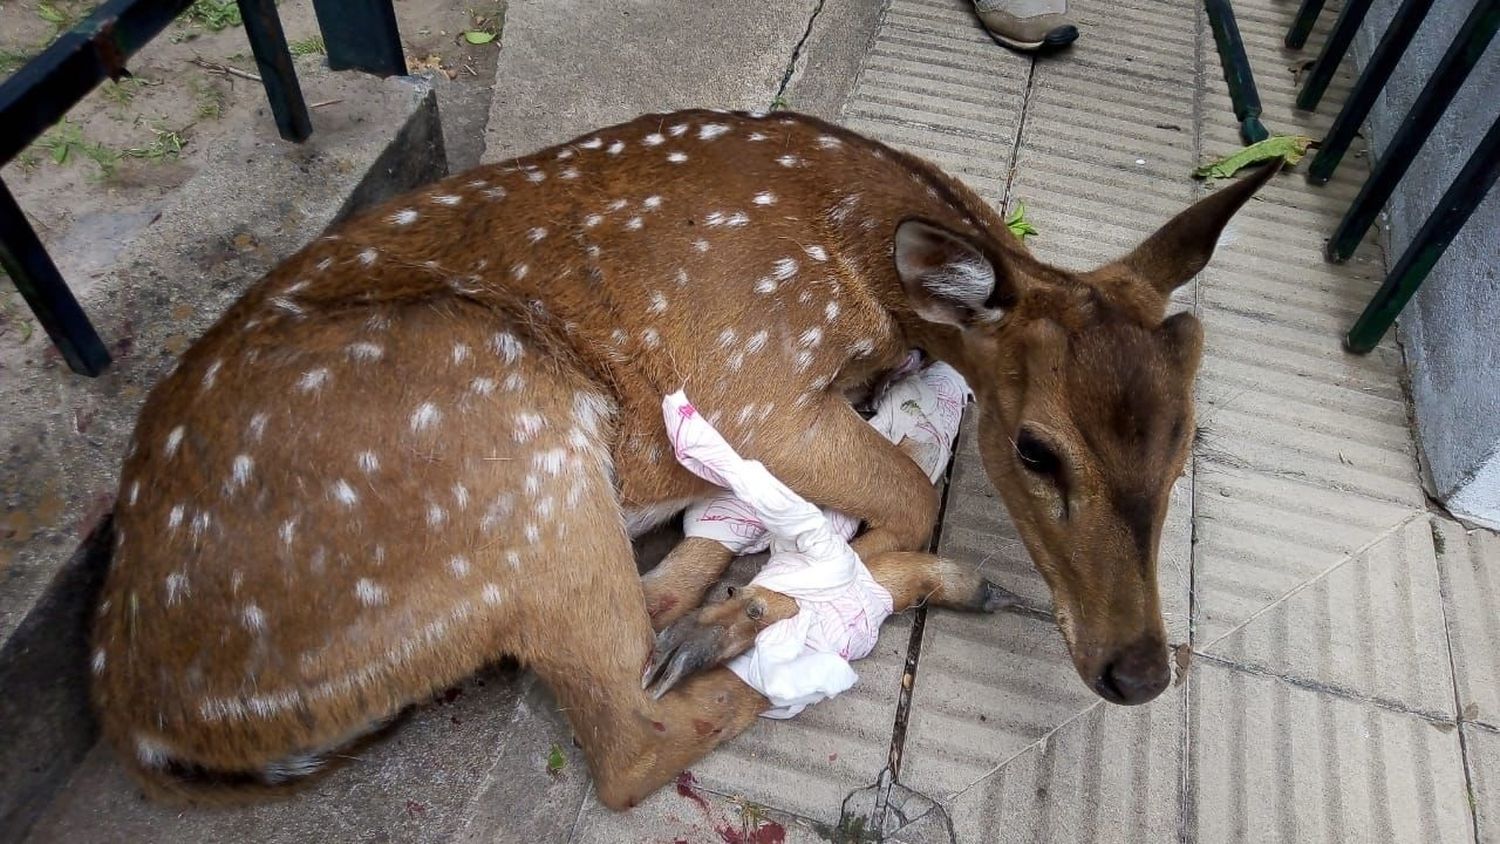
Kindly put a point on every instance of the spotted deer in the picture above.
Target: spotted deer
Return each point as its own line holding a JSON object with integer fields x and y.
{"x": 425, "y": 441}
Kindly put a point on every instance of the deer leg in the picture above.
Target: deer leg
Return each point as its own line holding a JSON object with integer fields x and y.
{"x": 915, "y": 578}
{"x": 836, "y": 460}
{"x": 676, "y": 586}
{"x": 634, "y": 743}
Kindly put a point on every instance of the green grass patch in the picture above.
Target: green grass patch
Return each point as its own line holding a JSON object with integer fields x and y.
{"x": 214, "y": 15}
{"x": 313, "y": 46}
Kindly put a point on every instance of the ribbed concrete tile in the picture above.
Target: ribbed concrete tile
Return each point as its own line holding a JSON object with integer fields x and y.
{"x": 807, "y": 765}
{"x": 987, "y": 687}
{"x": 689, "y": 813}
{"x": 1112, "y": 774}
{"x": 1484, "y": 766}
{"x": 1272, "y": 762}
{"x": 1469, "y": 562}
{"x": 1259, "y": 536}
{"x": 1372, "y": 627}
{"x": 935, "y": 85}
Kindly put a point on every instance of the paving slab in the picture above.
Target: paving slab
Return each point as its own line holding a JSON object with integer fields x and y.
{"x": 690, "y": 813}
{"x": 1057, "y": 790}
{"x": 935, "y": 85}
{"x": 1469, "y": 562}
{"x": 415, "y": 785}
{"x": 1274, "y": 762}
{"x": 1483, "y": 746}
{"x": 569, "y": 66}
{"x": 1371, "y": 627}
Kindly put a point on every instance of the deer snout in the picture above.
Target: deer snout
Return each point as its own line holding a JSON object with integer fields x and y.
{"x": 1135, "y": 674}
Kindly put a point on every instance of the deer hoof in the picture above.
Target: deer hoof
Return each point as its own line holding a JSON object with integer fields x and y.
{"x": 682, "y": 650}
{"x": 991, "y": 597}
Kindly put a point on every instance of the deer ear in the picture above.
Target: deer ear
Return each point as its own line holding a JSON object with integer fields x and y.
{"x": 947, "y": 279}
{"x": 1181, "y": 249}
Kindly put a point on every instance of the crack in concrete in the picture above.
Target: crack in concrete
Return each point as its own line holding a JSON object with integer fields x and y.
{"x": 791, "y": 66}
{"x": 1458, "y": 704}
{"x": 1329, "y": 689}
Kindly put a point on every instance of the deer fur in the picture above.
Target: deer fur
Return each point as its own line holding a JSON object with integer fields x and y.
{"x": 423, "y": 442}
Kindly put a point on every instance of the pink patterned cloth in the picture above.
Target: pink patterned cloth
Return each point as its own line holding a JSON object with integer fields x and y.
{"x": 803, "y": 659}
{"x": 921, "y": 410}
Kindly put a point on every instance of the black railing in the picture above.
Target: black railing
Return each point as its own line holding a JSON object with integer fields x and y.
{"x": 1463, "y": 195}
{"x": 358, "y": 35}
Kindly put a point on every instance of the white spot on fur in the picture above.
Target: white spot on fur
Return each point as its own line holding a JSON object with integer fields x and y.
{"x": 616, "y": 148}
{"x": 482, "y": 386}
{"x": 258, "y": 425}
{"x": 564, "y": 154}
{"x": 212, "y": 373}
{"x": 757, "y": 136}
{"x": 634, "y": 223}
{"x": 506, "y": 346}
{"x": 135, "y": 492}
{"x": 653, "y": 139}
{"x": 313, "y": 380}
{"x": 461, "y": 496}
{"x": 519, "y": 271}
{"x": 678, "y": 130}
{"x": 285, "y": 305}
{"x": 533, "y": 533}
{"x": 709, "y": 131}
{"x": 736, "y": 361}
{"x": 651, "y": 203}
{"x": 459, "y": 566}
{"x": 765, "y": 198}
{"x": 789, "y": 161}
{"x": 174, "y": 517}
{"x": 804, "y": 360}
{"x": 239, "y": 471}
{"x": 550, "y": 461}
{"x": 369, "y": 462}
{"x": 756, "y": 342}
{"x": 650, "y": 339}
{"x": 676, "y": 157}
{"x": 366, "y": 351}
{"x": 514, "y": 382}
{"x": 726, "y": 338}
{"x": 811, "y": 338}
{"x": 570, "y": 173}
{"x": 829, "y": 142}
{"x": 592, "y": 220}
{"x": 368, "y": 256}
{"x": 658, "y": 302}
{"x": 700, "y": 245}
{"x": 784, "y": 268}
{"x": 177, "y": 587}
{"x": 715, "y": 218}
{"x": 436, "y": 515}
{"x": 496, "y": 192}
{"x": 343, "y": 493}
{"x": 151, "y": 753}
{"x": 447, "y": 199}
{"x": 174, "y": 439}
{"x": 528, "y": 425}
{"x": 737, "y": 219}
{"x": 404, "y": 217}
{"x": 863, "y": 347}
{"x": 460, "y": 353}
{"x": 765, "y": 285}
{"x": 844, "y": 208}
{"x": 425, "y": 416}
{"x": 817, "y": 253}
{"x": 288, "y": 531}
{"x": 831, "y": 311}
{"x": 253, "y": 619}
{"x": 98, "y": 661}
{"x": 535, "y": 176}
{"x": 536, "y": 234}
{"x": 682, "y": 278}
{"x": 592, "y": 143}
{"x": 369, "y": 593}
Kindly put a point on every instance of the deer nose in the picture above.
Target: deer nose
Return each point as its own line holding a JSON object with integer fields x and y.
{"x": 1136, "y": 675}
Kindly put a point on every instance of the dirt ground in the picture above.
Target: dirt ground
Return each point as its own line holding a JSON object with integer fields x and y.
{"x": 126, "y": 146}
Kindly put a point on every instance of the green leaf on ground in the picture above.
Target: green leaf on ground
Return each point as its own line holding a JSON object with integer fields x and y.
{"x": 479, "y": 36}
{"x": 1289, "y": 147}
{"x": 1018, "y": 224}
{"x": 556, "y": 761}
{"x": 312, "y": 46}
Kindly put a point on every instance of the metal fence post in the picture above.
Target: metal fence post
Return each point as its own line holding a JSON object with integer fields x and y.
{"x": 1403, "y": 27}
{"x": 361, "y": 35}
{"x": 29, "y": 266}
{"x": 1333, "y": 52}
{"x": 1472, "y": 39}
{"x": 268, "y": 43}
{"x": 1468, "y": 189}
{"x": 1307, "y": 16}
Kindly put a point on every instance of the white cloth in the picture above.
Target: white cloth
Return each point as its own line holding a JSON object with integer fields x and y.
{"x": 805, "y": 659}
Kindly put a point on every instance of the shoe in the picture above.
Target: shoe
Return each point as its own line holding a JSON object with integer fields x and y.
{"x": 1028, "y": 25}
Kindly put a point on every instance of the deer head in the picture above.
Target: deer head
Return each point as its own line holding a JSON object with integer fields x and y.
{"x": 1085, "y": 412}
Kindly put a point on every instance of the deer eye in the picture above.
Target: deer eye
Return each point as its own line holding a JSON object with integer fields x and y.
{"x": 1036, "y": 456}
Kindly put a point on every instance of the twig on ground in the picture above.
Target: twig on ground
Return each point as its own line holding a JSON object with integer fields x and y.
{"x": 215, "y": 67}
